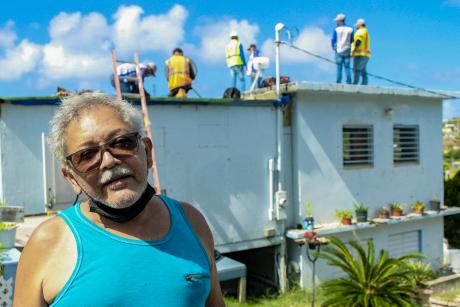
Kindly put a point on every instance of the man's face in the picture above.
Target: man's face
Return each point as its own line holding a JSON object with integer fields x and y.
{"x": 94, "y": 127}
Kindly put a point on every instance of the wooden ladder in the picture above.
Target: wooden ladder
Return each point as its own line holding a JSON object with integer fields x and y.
{"x": 147, "y": 125}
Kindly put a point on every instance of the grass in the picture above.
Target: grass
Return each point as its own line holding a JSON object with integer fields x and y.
{"x": 449, "y": 295}
{"x": 292, "y": 298}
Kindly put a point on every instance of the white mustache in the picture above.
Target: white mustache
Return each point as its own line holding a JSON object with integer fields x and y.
{"x": 118, "y": 171}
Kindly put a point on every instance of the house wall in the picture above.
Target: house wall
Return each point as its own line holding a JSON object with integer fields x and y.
{"x": 319, "y": 174}
{"x": 213, "y": 156}
{"x": 21, "y": 154}
{"x": 320, "y": 177}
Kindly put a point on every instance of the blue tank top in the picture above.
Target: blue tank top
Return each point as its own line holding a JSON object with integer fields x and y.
{"x": 116, "y": 271}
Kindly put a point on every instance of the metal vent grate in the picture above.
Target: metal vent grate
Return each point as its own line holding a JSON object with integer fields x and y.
{"x": 358, "y": 145}
{"x": 401, "y": 244}
{"x": 405, "y": 144}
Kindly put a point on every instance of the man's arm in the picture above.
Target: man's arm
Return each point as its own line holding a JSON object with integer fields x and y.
{"x": 201, "y": 228}
{"x": 334, "y": 40}
{"x": 192, "y": 69}
{"x": 34, "y": 269}
{"x": 243, "y": 58}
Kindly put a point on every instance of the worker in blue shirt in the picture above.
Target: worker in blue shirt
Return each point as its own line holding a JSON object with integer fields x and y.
{"x": 342, "y": 38}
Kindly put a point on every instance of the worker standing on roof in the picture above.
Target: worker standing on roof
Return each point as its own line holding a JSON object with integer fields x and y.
{"x": 341, "y": 44}
{"x": 127, "y": 75}
{"x": 180, "y": 71}
{"x": 361, "y": 52}
{"x": 236, "y": 61}
{"x": 251, "y": 70}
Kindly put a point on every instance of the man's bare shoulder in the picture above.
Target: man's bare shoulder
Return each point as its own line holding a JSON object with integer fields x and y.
{"x": 199, "y": 224}
{"x": 47, "y": 239}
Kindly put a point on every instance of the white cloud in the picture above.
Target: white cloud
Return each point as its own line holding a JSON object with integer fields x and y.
{"x": 312, "y": 39}
{"x": 79, "y": 47}
{"x": 7, "y": 35}
{"x": 214, "y": 38}
{"x": 19, "y": 59}
{"x": 161, "y": 32}
{"x": 80, "y": 44}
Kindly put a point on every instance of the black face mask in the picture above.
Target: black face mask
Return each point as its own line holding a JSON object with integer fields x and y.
{"x": 123, "y": 214}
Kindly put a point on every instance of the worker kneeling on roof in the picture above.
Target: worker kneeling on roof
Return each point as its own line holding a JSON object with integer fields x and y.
{"x": 128, "y": 78}
{"x": 180, "y": 71}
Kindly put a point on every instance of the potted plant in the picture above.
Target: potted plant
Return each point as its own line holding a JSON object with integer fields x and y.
{"x": 309, "y": 221}
{"x": 384, "y": 213}
{"x": 435, "y": 204}
{"x": 344, "y": 216}
{"x": 418, "y": 207}
{"x": 361, "y": 212}
{"x": 7, "y": 231}
{"x": 397, "y": 209}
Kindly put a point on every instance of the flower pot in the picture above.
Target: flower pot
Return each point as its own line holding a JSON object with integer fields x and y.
{"x": 435, "y": 205}
{"x": 385, "y": 215}
{"x": 419, "y": 210}
{"x": 396, "y": 212}
{"x": 8, "y": 237}
{"x": 361, "y": 216}
{"x": 346, "y": 221}
{"x": 309, "y": 223}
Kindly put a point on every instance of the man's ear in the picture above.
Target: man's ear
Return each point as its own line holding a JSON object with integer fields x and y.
{"x": 71, "y": 179}
{"x": 148, "y": 151}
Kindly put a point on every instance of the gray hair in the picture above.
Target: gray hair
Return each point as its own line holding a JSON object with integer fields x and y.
{"x": 73, "y": 106}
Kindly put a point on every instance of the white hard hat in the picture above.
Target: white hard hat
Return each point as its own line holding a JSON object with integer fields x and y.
{"x": 360, "y": 22}
{"x": 340, "y": 17}
{"x": 233, "y": 34}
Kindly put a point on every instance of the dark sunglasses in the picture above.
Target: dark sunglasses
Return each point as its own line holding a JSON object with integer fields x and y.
{"x": 120, "y": 147}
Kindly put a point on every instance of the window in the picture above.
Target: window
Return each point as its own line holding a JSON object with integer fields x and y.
{"x": 405, "y": 144}
{"x": 404, "y": 243}
{"x": 358, "y": 147}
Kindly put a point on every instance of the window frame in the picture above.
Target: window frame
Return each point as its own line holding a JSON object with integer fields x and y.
{"x": 409, "y": 152}
{"x": 354, "y": 150}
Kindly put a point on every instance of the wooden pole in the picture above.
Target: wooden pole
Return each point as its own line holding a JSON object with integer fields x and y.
{"x": 147, "y": 125}
{"x": 116, "y": 80}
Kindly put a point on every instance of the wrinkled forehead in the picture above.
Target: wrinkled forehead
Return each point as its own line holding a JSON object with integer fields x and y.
{"x": 94, "y": 125}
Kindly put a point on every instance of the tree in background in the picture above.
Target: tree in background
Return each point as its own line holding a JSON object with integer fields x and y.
{"x": 452, "y": 199}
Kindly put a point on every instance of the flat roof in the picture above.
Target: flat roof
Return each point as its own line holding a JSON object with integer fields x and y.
{"x": 264, "y": 96}
{"x": 54, "y": 100}
{"x": 316, "y": 87}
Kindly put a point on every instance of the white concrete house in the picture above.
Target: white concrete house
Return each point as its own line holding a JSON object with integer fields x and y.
{"x": 251, "y": 166}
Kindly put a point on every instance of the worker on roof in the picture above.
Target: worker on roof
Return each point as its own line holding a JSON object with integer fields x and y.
{"x": 236, "y": 61}
{"x": 342, "y": 37}
{"x": 127, "y": 73}
{"x": 180, "y": 71}
{"x": 361, "y": 52}
{"x": 251, "y": 70}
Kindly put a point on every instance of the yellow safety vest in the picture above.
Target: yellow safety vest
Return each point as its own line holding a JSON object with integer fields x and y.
{"x": 364, "y": 49}
{"x": 232, "y": 52}
{"x": 178, "y": 71}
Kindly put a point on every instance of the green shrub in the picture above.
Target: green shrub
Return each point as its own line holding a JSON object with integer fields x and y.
{"x": 452, "y": 199}
{"x": 370, "y": 281}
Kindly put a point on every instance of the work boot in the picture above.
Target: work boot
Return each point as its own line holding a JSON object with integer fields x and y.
{"x": 181, "y": 93}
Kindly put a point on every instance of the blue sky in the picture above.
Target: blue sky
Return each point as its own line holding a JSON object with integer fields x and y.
{"x": 68, "y": 43}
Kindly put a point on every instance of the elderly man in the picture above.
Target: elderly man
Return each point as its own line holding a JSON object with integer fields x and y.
{"x": 125, "y": 246}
